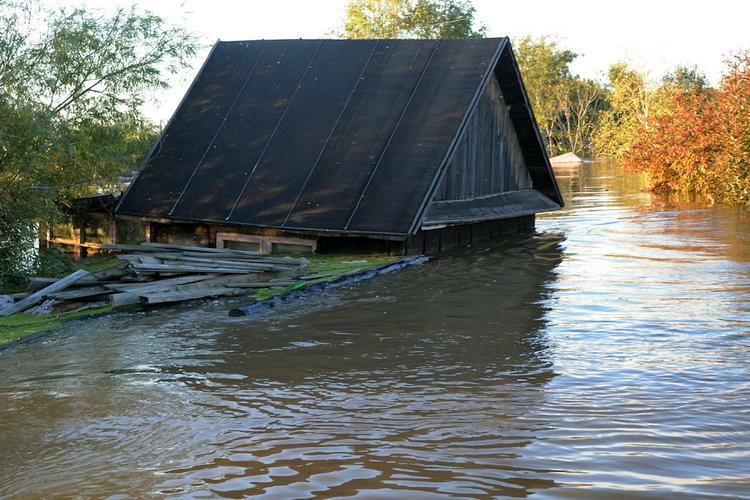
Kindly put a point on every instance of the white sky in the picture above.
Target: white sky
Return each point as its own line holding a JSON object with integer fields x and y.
{"x": 653, "y": 35}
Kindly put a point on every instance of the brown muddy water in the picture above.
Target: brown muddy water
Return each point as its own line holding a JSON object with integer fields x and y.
{"x": 609, "y": 354}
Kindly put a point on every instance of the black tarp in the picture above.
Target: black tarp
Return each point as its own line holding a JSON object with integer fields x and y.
{"x": 317, "y": 135}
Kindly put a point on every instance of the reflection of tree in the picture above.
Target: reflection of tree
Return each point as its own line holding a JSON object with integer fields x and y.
{"x": 601, "y": 178}
{"x": 687, "y": 218}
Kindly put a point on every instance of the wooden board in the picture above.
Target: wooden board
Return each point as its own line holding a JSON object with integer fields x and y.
{"x": 180, "y": 280}
{"x": 80, "y": 293}
{"x": 188, "y": 268}
{"x": 37, "y": 297}
{"x": 161, "y": 298}
{"x": 124, "y": 299}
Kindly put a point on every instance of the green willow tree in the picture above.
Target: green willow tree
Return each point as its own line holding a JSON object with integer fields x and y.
{"x": 629, "y": 105}
{"x": 410, "y": 19}
{"x": 566, "y": 106}
{"x": 70, "y": 98}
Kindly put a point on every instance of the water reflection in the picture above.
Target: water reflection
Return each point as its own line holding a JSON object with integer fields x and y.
{"x": 606, "y": 355}
{"x": 383, "y": 387}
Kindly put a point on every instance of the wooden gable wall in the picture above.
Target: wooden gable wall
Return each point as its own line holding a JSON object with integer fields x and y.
{"x": 488, "y": 157}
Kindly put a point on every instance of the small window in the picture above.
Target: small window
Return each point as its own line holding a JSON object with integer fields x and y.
{"x": 266, "y": 244}
{"x": 251, "y": 246}
{"x": 96, "y": 231}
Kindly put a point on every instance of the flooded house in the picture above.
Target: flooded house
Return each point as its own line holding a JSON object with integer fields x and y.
{"x": 397, "y": 146}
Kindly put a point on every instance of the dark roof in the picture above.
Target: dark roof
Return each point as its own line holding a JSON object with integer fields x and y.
{"x": 326, "y": 135}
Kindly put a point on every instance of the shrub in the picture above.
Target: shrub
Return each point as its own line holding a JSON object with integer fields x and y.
{"x": 700, "y": 142}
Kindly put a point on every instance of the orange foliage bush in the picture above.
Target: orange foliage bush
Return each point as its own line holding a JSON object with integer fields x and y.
{"x": 700, "y": 142}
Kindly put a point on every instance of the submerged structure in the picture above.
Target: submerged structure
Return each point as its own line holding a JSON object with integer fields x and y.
{"x": 405, "y": 146}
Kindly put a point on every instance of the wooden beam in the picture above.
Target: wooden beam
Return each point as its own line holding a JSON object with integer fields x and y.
{"x": 124, "y": 299}
{"x": 161, "y": 298}
{"x": 189, "y": 248}
{"x": 112, "y": 236}
{"x": 181, "y": 280}
{"x": 78, "y": 240}
{"x": 80, "y": 293}
{"x": 187, "y": 268}
{"x": 40, "y": 283}
{"x": 37, "y": 297}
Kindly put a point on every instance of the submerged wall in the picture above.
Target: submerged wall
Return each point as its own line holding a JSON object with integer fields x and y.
{"x": 449, "y": 237}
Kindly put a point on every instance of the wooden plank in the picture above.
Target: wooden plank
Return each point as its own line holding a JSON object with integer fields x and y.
{"x": 162, "y": 298}
{"x": 215, "y": 262}
{"x": 287, "y": 261}
{"x": 124, "y": 299}
{"x": 162, "y": 246}
{"x": 233, "y": 279}
{"x": 124, "y": 287}
{"x": 149, "y": 259}
{"x": 122, "y": 247}
{"x": 205, "y": 252}
{"x": 5, "y": 301}
{"x": 37, "y": 297}
{"x": 259, "y": 285}
{"x": 80, "y": 293}
{"x": 116, "y": 271}
{"x": 37, "y": 283}
{"x": 42, "y": 309}
{"x": 187, "y": 268}
{"x": 216, "y": 281}
{"x": 139, "y": 278}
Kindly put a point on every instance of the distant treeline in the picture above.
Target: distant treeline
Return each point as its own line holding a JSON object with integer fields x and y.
{"x": 687, "y": 136}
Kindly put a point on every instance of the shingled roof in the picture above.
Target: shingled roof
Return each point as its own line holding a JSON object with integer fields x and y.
{"x": 341, "y": 136}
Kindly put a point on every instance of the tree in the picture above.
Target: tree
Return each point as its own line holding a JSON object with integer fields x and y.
{"x": 70, "y": 98}
{"x": 685, "y": 79}
{"x": 566, "y": 106}
{"x": 699, "y": 142}
{"x": 410, "y": 19}
{"x": 578, "y": 104}
{"x": 629, "y": 106}
{"x": 545, "y": 69}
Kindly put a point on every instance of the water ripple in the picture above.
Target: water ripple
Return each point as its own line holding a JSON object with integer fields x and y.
{"x": 605, "y": 356}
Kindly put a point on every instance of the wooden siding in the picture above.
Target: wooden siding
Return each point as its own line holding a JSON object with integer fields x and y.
{"x": 495, "y": 206}
{"x": 488, "y": 158}
{"x": 435, "y": 241}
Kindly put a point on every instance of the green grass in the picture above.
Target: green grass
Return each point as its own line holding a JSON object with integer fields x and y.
{"x": 20, "y": 325}
{"x": 323, "y": 268}
{"x": 98, "y": 263}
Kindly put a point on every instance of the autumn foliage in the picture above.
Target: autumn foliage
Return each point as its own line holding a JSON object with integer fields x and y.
{"x": 699, "y": 143}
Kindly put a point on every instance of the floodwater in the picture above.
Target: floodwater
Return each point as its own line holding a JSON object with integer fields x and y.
{"x": 609, "y": 354}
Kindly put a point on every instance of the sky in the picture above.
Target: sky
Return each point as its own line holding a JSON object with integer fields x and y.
{"x": 653, "y": 35}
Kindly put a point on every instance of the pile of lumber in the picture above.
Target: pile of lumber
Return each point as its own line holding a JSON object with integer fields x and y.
{"x": 157, "y": 273}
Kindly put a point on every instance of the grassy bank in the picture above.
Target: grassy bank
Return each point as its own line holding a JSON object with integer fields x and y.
{"x": 322, "y": 268}
{"x": 18, "y": 326}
